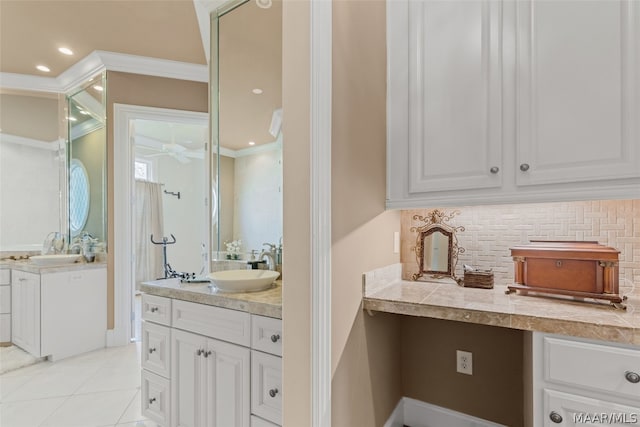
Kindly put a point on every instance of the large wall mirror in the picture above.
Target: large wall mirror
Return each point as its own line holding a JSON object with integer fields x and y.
{"x": 246, "y": 116}
{"x": 32, "y": 162}
{"x": 87, "y": 172}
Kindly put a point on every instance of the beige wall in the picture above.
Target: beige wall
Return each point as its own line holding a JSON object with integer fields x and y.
{"x": 495, "y": 390}
{"x": 365, "y": 359}
{"x": 296, "y": 295}
{"x": 134, "y": 89}
{"x": 30, "y": 115}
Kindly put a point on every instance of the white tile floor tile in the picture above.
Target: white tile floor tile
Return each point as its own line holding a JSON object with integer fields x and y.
{"x": 96, "y": 389}
{"x": 91, "y": 409}
{"x": 28, "y": 413}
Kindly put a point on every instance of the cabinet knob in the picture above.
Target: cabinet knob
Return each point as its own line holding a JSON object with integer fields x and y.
{"x": 273, "y": 392}
{"x": 206, "y": 353}
{"x": 153, "y": 399}
{"x": 152, "y": 349}
{"x": 494, "y": 170}
{"x": 632, "y": 377}
{"x": 555, "y": 417}
{"x": 275, "y": 338}
{"x": 154, "y": 309}
{"x": 199, "y": 352}
{"x": 524, "y": 167}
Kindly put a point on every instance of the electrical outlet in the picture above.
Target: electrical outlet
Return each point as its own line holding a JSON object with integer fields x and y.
{"x": 464, "y": 362}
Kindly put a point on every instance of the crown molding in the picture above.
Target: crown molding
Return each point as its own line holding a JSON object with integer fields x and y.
{"x": 29, "y": 142}
{"x": 204, "y": 9}
{"x": 98, "y": 61}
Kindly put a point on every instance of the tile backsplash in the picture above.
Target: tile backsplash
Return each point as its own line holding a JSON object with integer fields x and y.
{"x": 491, "y": 230}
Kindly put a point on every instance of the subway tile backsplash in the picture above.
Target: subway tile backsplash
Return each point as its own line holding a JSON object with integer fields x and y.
{"x": 491, "y": 230}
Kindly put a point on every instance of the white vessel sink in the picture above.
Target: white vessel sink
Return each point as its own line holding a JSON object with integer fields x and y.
{"x": 60, "y": 259}
{"x": 243, "y": 280}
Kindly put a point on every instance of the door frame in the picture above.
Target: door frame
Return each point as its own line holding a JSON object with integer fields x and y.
{"x": 123, "y": 199}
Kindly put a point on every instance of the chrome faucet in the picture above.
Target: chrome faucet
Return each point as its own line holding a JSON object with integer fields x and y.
{"x": 269, "y": 255}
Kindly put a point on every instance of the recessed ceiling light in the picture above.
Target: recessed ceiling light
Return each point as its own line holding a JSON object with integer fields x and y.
{"x": 86, "y": 113}
{"x": 43, "y": 68}
{"x": 252, "y": 143}
{"x": 257, "y": 91}
{"x": 98, "y": 88}
{"x": 65, "y": 51}
{"x": 72, "y": 119}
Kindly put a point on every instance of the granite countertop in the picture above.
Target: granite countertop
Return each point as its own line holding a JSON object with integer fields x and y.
{"x": 265, "y": 303}
{"x": 30, "y": 267}
{"x": 385, "y": 291}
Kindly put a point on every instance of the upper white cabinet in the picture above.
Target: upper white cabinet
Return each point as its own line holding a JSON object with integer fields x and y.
{"x": 577, "y": 90}
{"x": 512, "y": 101}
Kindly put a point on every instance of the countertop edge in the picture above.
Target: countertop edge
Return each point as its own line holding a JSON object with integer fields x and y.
{"x": 217, "y": 300}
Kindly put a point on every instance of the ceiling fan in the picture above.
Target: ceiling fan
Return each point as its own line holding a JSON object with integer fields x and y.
{"x": 172, "y": 149}
{"x": 177, "y": 151}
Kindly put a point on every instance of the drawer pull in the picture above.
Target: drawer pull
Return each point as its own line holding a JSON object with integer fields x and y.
{"x": 154, "y": 309}
{"x": 153, "y": 399}
{"x": 152, "y": 349}
{"x": 273, "y": 392}
{"x": 632, "y": 377}
{"x": 275, "y": 338}
{"x": 555, "y": 417}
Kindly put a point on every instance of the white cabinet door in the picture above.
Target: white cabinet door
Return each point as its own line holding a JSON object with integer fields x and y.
{"x": 73, "y": 302}
{"x": 187, "y": 379}
{"x": 209, "y": 382}
{"x": 445, "y": 111}
{"x": 578, "y": 90}
{"x": 228, "y": 382}
{"x": 25, "y": 313}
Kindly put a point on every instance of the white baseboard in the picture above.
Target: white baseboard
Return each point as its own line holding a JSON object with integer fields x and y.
{"x": 414, "y": 413}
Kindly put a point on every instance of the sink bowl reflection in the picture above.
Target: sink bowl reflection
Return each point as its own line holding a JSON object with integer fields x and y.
{"x": 59, "y": 259}
{"x": 243, "y": 280}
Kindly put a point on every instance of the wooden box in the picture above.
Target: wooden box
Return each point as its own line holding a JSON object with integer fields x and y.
{"x": 478, "y": 279}
{"x": 577, "y": 269}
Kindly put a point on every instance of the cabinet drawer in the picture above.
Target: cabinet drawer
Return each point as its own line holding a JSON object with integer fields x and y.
{"x": 156, "y": 348}
{"x": 591, "y": 366}
{"x": 18, "y": 276}
{"x": 565, "y": 409}
{"x": 5, "y": 299}
{"x": 215, "y": 322}
{"x": 259, "y": 422}
{"x": 155, "y": 398}
{"x": 5, "y": 276}
{"x": 156, "y": 309}
{"x": 266, "y": 334}
{"x": 266, "y": 386}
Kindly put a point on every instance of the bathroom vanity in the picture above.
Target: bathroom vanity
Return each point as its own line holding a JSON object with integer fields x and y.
{"x": 211, "y": 358}
{"x": 58, "y": 311}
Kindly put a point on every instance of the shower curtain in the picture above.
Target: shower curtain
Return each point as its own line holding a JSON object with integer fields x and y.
{"x": 149, "y": 220}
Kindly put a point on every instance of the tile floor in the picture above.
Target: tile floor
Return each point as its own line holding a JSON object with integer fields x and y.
{"x": 96, "y": 389}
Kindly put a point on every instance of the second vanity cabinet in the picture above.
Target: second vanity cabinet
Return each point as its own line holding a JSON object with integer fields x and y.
{"x": 59, "y": 314}
{"x": 206, "y": 365}
{"x": 576, "y": 380}
{"x": 512, "y": 101}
